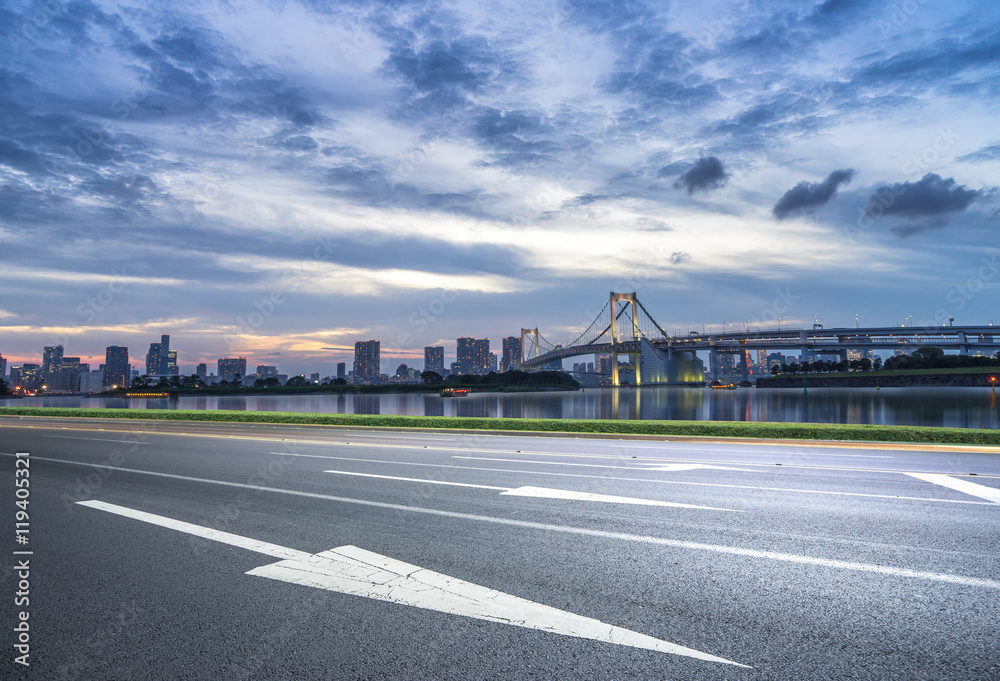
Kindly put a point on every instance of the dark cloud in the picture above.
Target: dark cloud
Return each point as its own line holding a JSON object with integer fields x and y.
{"x": 807, "y": 195}
{"x": 931, "y": 195}
{"x": 707, "y": 173}
{"x": 517, "y": 138}
{"x": 653, "y": 67}
{"x": 14, "y": 155}
{"x": 680, "y": 257}
{"x": 936, "y": 65}
{"x": 912, "y": 228}
{"x": 984, "y": 155}
{"x": 441, "y": 75}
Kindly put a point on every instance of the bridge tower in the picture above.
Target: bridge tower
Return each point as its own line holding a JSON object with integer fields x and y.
{"x": 526, "y": 333}
{"x": 629, "y": 299}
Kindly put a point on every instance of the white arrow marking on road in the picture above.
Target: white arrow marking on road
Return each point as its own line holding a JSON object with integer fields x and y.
{"x": 981, "y": 491}
{"x": 357, "y": 572}
{"x": 546, "y": 493}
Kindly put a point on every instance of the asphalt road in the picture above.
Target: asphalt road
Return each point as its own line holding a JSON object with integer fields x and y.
{"x": 465, "y": 560}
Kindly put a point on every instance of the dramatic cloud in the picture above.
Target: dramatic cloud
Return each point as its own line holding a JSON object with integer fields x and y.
{"x": 808, "y": 195}
{"x": 931, "y": 195}
{"x": 365, "y": 160}
{"x": 707, "y": 173}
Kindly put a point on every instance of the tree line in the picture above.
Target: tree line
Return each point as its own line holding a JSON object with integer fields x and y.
{"x": 927, "y": 357}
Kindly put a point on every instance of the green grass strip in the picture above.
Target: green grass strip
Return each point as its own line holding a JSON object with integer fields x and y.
{"x": 731, "y": 429}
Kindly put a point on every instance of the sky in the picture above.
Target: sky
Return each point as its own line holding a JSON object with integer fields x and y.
{"x": 277, "y": 180}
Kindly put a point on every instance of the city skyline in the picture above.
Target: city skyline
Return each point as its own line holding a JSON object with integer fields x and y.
{"x": 279, "y": 181}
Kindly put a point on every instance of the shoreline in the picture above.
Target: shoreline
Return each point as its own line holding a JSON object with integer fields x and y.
{"x": 861, "y": 380}
{"x": 811, "y": 432}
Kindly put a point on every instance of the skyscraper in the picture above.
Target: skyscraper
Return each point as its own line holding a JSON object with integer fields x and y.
{"x": 159, "y": 360}
{"x": 231, "y": 367}
{"x": 202, "y": 370}
{"x": 367, "y": 359}
{"x": 434, "y": 358}
{"x": 165, "y": 356}
{"x": 153, "y": 359}
{"x": 52, "y": 358}
{"x": 116, "y": 367}
{"x": 342, "y": 370}
{"x": 474, "y": 355}
{"x": 511, "y": 353}
{"x": 3, "y": 366}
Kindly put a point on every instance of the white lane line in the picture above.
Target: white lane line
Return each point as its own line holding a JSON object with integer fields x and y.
{"x": 653, "y": 480}
{"x": 681, "y": 462}
{"x": 98, "y": 439}
{"x": 696, "y": 466}
{"x": 357, "y": 572}
{"x": 429, "y": 482}
{"x": 546, "y": 527}
{"x": 546, "y": 493}
{"x": 272, "y": 550}
{"x": 720, "y": 448}
{"x": 991, "y": 494}
{"x": 946, "y": 578}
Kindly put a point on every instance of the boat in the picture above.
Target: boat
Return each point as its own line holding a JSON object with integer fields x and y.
{"x": 454, "y": 392}
{"x": 723, "y": 386}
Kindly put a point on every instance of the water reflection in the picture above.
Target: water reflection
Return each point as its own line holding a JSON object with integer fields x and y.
{"x": 434, "y": 406}
{"x": 954, "y": 407}
{"x": 368, "y": 404}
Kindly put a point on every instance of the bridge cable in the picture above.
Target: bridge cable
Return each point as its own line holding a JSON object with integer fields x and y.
{"x": 658, "y": 327}
{"x": 596, "y": 319}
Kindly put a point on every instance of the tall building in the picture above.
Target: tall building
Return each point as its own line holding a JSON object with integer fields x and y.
{"x": 153, "y": 359}
{"x": 63, "y": 377}
{"x": 159, "y": 359}
{"x": 474, "y": 355}
{"x": 52, "y": 358}
{"x": 491, "y": 362}
{"x": 342, "y": 370}
{"x": 434, "y": 358}
{"x": 367, "y": 359}
{"x": 165, "y": 356}
{"x": 231, "y": 367}
{"x": 511, "y": 356}
{"x": 202, "y": 370}
{"x": 3, "y": 366}
{"x": 266, "y": 371}
{"x": 116, "y": 367}
{"x": 602, "y": 363}
{"x": 30, "y": 375}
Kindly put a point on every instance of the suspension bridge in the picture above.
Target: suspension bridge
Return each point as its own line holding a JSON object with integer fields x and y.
{"x": 624, "y": 327}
